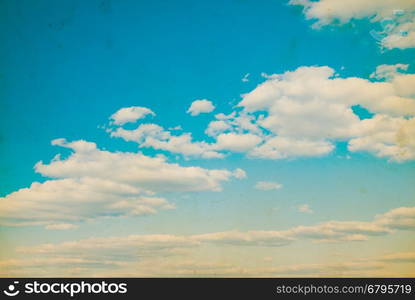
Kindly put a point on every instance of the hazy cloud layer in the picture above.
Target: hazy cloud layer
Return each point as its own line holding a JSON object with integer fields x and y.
{"x": 163, "y": 254}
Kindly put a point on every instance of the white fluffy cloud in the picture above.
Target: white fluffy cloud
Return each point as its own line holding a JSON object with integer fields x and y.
{"x": 303, "y": 113}
{"x": 150, "y": 173}
{"x": 130, "y": 114}
{"x": 237, "y": 142}
{"x": 395, "y": 17}
{"x": 388, "y": 72}
{"x": 200, "y": 106}
{"x": 240, "y": 122}
{"x": 402, "y": 218}
{"x": 302, "y": 93}
{"x": 155, "y": 136}
{"x": 310, "y": 108}
{"x": 385, "y": 136}
{"x": 216, "y": 127}
{"x": 286, "y": 147}
{"x": 75, "y": 200}
{"x": 268, "y": 185}
{"x": 239, "y": 173}
{"x": 93, "y": 183}
{"x": 232, "y": 133}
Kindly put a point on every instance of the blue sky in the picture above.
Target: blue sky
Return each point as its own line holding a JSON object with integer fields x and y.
{"x": 67, "y": 67}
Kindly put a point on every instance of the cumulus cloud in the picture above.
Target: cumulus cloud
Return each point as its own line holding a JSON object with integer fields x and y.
{"x": 150, "y": 173}
{"x": 216, "y": 127}
{"x": 310, "y": 108}
{"x": 237, "y": 142}
{"x": 74, "y": 200}
{"x": 301, "y": 93}
{"x": 388, "y": 72}
{"x": 285, "y": 147}
{"x": 303, "y": 113}
{"x": 200, "y": 106}
{"x": 234, "y": 133}
{"x": 239, "y": 122}
{"x": 398, "y": 218}
{"x": 99, "y": 183}
{"x": 239, "y": 173}
{"x": 268, "y": 185}
{"x": 155, "y": 136}
{"x": 388, "y": 137}
{"x": 130, "y": 114}
{"x": 395, "y": 18}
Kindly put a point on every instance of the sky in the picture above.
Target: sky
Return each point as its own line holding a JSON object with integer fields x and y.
{"x": 223, "y": 138}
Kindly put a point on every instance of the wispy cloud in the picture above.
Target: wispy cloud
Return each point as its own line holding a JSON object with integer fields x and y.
{"x": 305, "y": 208}
{"x": 268, "y": 185}
{"x": 245, "y": 78}
{"x": 402, "y": 218}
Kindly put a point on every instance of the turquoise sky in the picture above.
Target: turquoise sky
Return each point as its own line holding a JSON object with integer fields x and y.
{"x": 67, "y": 66}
